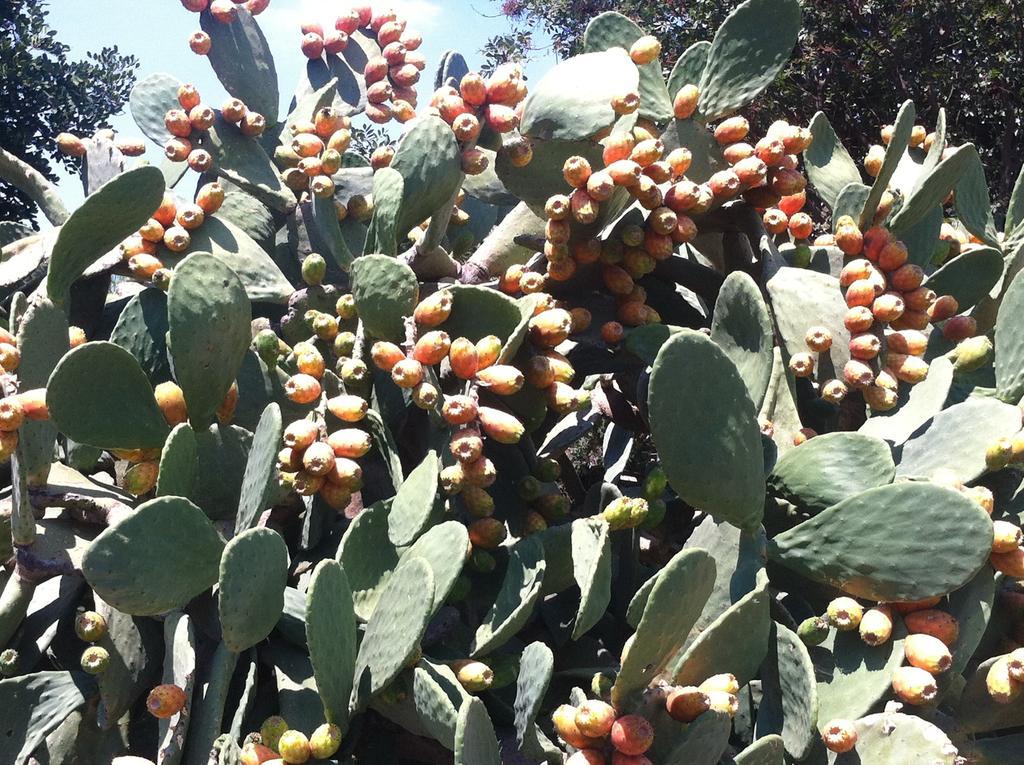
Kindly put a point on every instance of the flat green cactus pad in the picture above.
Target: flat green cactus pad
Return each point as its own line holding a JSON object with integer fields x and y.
{"x": 158, "y": 558}
{"x": 830, "y": 468}
{"x": 703, "y": 741}
{"x": 592, "y": 570}
{"x": 970, "y": 277}
{"x": 428, "y": 160}
{"x": 438, "y": 546}
{"x": 150, "y": 99}
{"x": 209, "y": 315}
{"x": 789, "y": 704}
{"x": 368, "y": 558}
{"x": 514, "y": 604}
{"x": 331, "y": 636}
{"x": 478, "y": 312}
{"x": 765, "y": 751}
{"x": 742, "y": 327}
{"x": 535, "y": 669}
{"x": 1010, "y": 343}
{"x": 99, "y": 395}
{"x": 705, "y": 427}
{"x": 893, "y": 154}
{"x": 828, "y": 164}
{"x": 676, "y": 600}
{"x": 896, "y": 739}
{"x": 385, "y": 291}
{"x": 882, "y": 544}
{"x": 36, "y": 704}
{"x": 260, "y": 466}
{"x": 141, "y": 330}
{"x": 115, "y": 211}
{"x": 253, "y": 574}
{"x": 573, "y": 100}
{"x": 241, "y": 58}
{"x": 413, "y": 506}
{"x": 438, "y": 696}
{"x": 747, "y": 53}
{"x": 475, "y": 741}
{"x": 689, "y": 67}
{"x": 178, "y": 463}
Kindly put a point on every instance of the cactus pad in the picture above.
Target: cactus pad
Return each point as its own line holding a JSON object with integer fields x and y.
{"x": 1010, "y": 343}
{"x": 141, "y": 330}
{"x": 475, "y": 742}
{"x": 535, "y": 668}
{"x": 156, "y": 559}
{"x": 742, "y": 327}
{"x": 428, "y": 160}
{"x": 412, "y": 507}
{"x": 438, "y": 546}
{"x": 519, "y": 593}
{"x": 34, "y": 705}
{"x": 829, "y": 165}
{"x": 893, "y": 154}
{"x": 592, "y": 570}
{"x": 703, "y": 742}
{"x": 368, "y": 558}
{"x": 970, "y": 277}
{"x": 956, "y": 438}
{"x": 705, "y": 427}
{"x": 150, "y": 100}
{"x": 931, "y": 189}
{"x": 257, "y": 482}
{"x": 394, "y": 630}
{"x": 438, "y": 696}
{"x": 253, "y": 574}
{"x": 789, "y": 705}
{"x": 559, "y": 108}
{"x": 689, "y": 67}
{"x": 797, "y": 293}
{"x": 98, "y": 395}
{"x": 610, "y": 30}
{"x": 765, "y": 751}
{"x": 831, "y": 468}
{"x": 747, "y": 624}
{"x": 241, "y": 58}
{"x": 385, "y": 290}
{"x": 209, "y": 316}
{"x": 746, "y": 55}
{"x": 106, "y": 217}
{"x": 925, "y": 400}
{"x": 478, "y": 312}
{"x": 882, "y": 543}
{"x": 178, "y": 463}
{"x": 331, "y": 636}
{"x": 676, "y": 599}
{"x": 893, "y": 738}
{"x": 242, "y": 161}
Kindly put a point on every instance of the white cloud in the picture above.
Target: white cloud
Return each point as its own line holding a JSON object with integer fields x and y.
{"x": 286, "y": 15}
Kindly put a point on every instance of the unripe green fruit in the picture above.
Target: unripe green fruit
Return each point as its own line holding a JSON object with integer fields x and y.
{"x": 95, "y": 660}
{"x": 272, "y": 730}
{"x": 813, "y": 630}
{"x": 314, "y": 268}
{"x": 999, "y": 454}
{"x": 601, "y": 685}
{"x": 325, "y": 741}
{"x": 554, "y": 507}
{"x": 972, "y": 354}
{"x": 655, "y": 483}
{"x": 529, "y": 488}
{"x": 547, "y": 470}
{"x": 656, "y": 510}
{"x": 90, "y": 626}
{"x": 460, "y": 590}
{"x": 482, "y": 561}
{"x": 268, "y": 346}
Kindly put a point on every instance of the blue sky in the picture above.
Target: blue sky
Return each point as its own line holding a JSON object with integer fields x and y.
{"x": 156, "y": 32}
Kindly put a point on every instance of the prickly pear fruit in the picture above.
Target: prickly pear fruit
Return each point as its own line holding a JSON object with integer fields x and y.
{"x": 839, "y": 736}
{"x": 845, "y": 614}
{"x": 95, "y": 660}
{"x": 272, "y": 730}
{"x": 475, "y": 676}
{"x": 914, "y": 685}
{"x": 8, "y": 663}
{"x": 927, "y": 653}
{"x": 936, "y": 623}
{"x": 293, "y": 747}
{"x": 165, "y": 701}
{"x": 90, "y": 626}
{"x": 632, "y": 734}
{"x": 876, "y": 625}
{"x": 1008, "y": 537}
{"x": 813, "y": 630}
{"x": 564, "y": 721}
{"x": 687, "y": 703}
{"x": 503, "y": 427}
{"x": 594, "y": 718}
{"x": 625, "y": 512}
{"x": 1002, "y": 688}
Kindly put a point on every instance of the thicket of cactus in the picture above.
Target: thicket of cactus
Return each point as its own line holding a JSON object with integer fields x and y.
{"x": 561, "y": 432}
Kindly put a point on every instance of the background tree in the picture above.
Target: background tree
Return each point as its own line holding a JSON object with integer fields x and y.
{"x": 43, "y": 93}
{"x": 856, "y": 61}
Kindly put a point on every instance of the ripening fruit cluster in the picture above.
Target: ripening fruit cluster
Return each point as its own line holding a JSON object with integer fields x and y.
{"x": 932, "y": 633}
{"x": 222, "y": 11}
{"x": 73, "y": 146}
{"x": 597, "y": 730}
{"x": 170, "y": 227}
{"x": 277, "y": 743}
{"x": 392, "y": 75}
{"x": 888, "y": 309}
{"x": 17, "y": 408}
{"x": 189, "y": 124}
{"x": 312, "y": 463}
{"x": 494, "y": 103}
{"x": 919, "y": 138}
{"x": 315, "y": 154}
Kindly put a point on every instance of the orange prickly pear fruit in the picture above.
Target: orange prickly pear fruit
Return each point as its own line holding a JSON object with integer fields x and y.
{"x": 302, "y": 388}
{"x": 1007, "y": 537}
{"x": 487, "y": 533}
{"x": 564, "y": 720}
{"x": 171, "y": 400}
{"x": 350, "y": 442}
{"x": 839, "y": 736}
{"x": 632, "y": 734}
{"x": 686, "y": 704}
{"x": 927, "y": 652}
{"x": 1002, "y": 687}
{"x": 432, "y": 348}
{"x": 594, "y": 718}
{"x": 463, "y": 358}
{"x": 914, "y": 685}
{"x": 685, "y": 102}
{"x": 937, "y": 624}
{"x": 165, "y": 701}
{"x": 503, "y": 427}
{"x": 141, "y": 477}
{"x": 876, "y": 625}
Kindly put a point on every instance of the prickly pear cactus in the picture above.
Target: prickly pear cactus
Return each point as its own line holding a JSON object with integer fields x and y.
{"x": 420, "y": 455}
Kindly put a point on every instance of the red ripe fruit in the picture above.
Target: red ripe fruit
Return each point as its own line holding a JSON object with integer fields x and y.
{"x": 165, "y": 701}
{"x": 632, "y": 734}
{"x": 959, "y": 328}
{"x": 907, "y": 277}
{"x": 312, "y": 45}
{"x": 792, "y": 203}
{"x": 943, "y": 308}
{"x": 893, "y": 255}
{"x": 865, "y": 346}
{"x": 800, "y": 224}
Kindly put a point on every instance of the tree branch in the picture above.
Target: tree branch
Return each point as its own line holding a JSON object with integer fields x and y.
{"x": 23, "y": 176}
